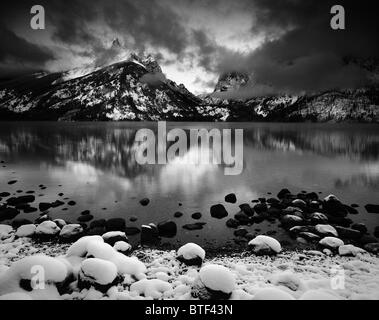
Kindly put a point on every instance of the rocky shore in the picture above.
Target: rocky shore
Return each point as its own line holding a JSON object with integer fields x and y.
{"x": 333, "y": 258}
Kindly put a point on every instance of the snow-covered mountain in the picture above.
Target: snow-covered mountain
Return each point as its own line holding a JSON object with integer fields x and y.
{"x": 136, "y": 89}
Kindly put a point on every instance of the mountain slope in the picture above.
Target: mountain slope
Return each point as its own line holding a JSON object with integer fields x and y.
{"x": 134, "y": 89}
{"x": 137, "y": 90}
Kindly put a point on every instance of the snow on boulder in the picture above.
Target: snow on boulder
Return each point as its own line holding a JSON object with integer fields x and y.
{"x": 79, "y": 248}
{"x": 60, "y": 223}
{"x": 287, "y": 279}
{"x": 331, "y": 242}
{"x": 191, "y": 254}
{"x": 130, "y": 265}
{"x": 71, "y": 231}
{"x": 265, "y": 245}
{"x": 6, "y": 231}
{"x": 326, "y": 229}
{"x": 98, "y": 273}
{"x": 100, "y": 250}
{"x": 112, "y": 237}
{"x": 52, "y": 271}
{"x": 350, "y": 250}
{"x": 318, "y": 294}
{"x": 122, "y": 247}
{"x": 331, "y": 197}
{"x": 217, "y": 279}
{"x": 153, "y": 288}
{"x": 272, "y": 294}
{"x": 47, "y": 229}
{"x": 26, "y": 230}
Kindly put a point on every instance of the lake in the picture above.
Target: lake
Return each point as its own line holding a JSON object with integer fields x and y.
{"x": 94, "y": 165}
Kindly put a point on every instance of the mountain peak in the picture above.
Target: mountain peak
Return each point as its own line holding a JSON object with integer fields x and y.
{"x": 148, "y": 61}
{"x": 116, "y": 43}
{"x": 231, "y": 81}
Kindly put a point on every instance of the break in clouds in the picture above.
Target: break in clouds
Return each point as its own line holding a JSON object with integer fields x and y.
{"x": 284, "y": 46}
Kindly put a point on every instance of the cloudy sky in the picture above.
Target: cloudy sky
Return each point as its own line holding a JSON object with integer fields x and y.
{"x": 285, "y": 45}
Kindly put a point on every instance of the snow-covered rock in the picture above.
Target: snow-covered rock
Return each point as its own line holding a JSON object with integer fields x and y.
{"x": 47, "y": 228}
{"x": 130, "y": 265}
{"x": 191, "y": 254}
{"x": 100, "y": 250}
{"x": 265, "y": 245}
{"x": 153, "y": 288}
{"x": 50, "y": 270}
{"x": 26, "y": 230}
{"x": 326, "y": 229}
{"x": 6, "y": 231}
{"x": 272, "y": 294}
{"x": 71, "y": 231}
{"x": 79, "y": 248}
{"x": 98, "y": 273}
{"x": 112, "y": 237}
{"x": 331, "y": 242}
{"x": 350, "y": 250}
{"x": 287, "y": 279}
{"x": 217, "y": 278}
{"x": 60, "y": 223}
{"x": 122, "y": 247}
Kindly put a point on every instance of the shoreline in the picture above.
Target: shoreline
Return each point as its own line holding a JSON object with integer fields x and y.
{"x": 292, "y": 272}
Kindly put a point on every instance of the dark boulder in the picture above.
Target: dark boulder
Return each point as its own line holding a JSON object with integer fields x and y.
{"x": 4, "y": 194}
{"x": 351, "y": 210}
{"x": 132, "y": 231}
{"x": 43, "y": 206}
{"x": 232, "y": 223}
{"x": 144, "y": 202}
{"x": 348, "y": 233}
{"x": 20, "y": 200}
{"x": 57, "y": 203}
{"x": 284, "y": 193}
{"x": 218, "y": 211}
{"x": 167, "y": 229}
{"x": 85, "y": 218}
{"x": 245, "y": 207}
{"x": 178, "y": 214}
{"x": 149, "y": 234}
{"x": 333, "y": 207}
{"x": 361, "y": 227}
{"x": 260, "y": 208}
{"x": 98, "y": 223}
{"x": 289, "y": 221}
{"x": 242, "y": 217}
{"x": 231, "y": 198}
{"x": 194, "y": 226}
{"x": 372, "y": 208}
{"x": 7, "y": 213}
{"x": 16, "y": 223}
{"x": 196, "y": 216}
{"x": 272, "y": 201}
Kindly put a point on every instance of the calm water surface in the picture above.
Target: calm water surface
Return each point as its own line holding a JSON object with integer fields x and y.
{"x": 95, "y": 165}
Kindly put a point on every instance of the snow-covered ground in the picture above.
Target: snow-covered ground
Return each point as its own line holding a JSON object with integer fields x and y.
{"x": 96, "y": 271}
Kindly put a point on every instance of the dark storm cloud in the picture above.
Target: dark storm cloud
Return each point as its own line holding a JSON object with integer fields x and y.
{"x": 18, "y": 51}
{"x": 310, "y": 56}
{"x": 298, "y": 49}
